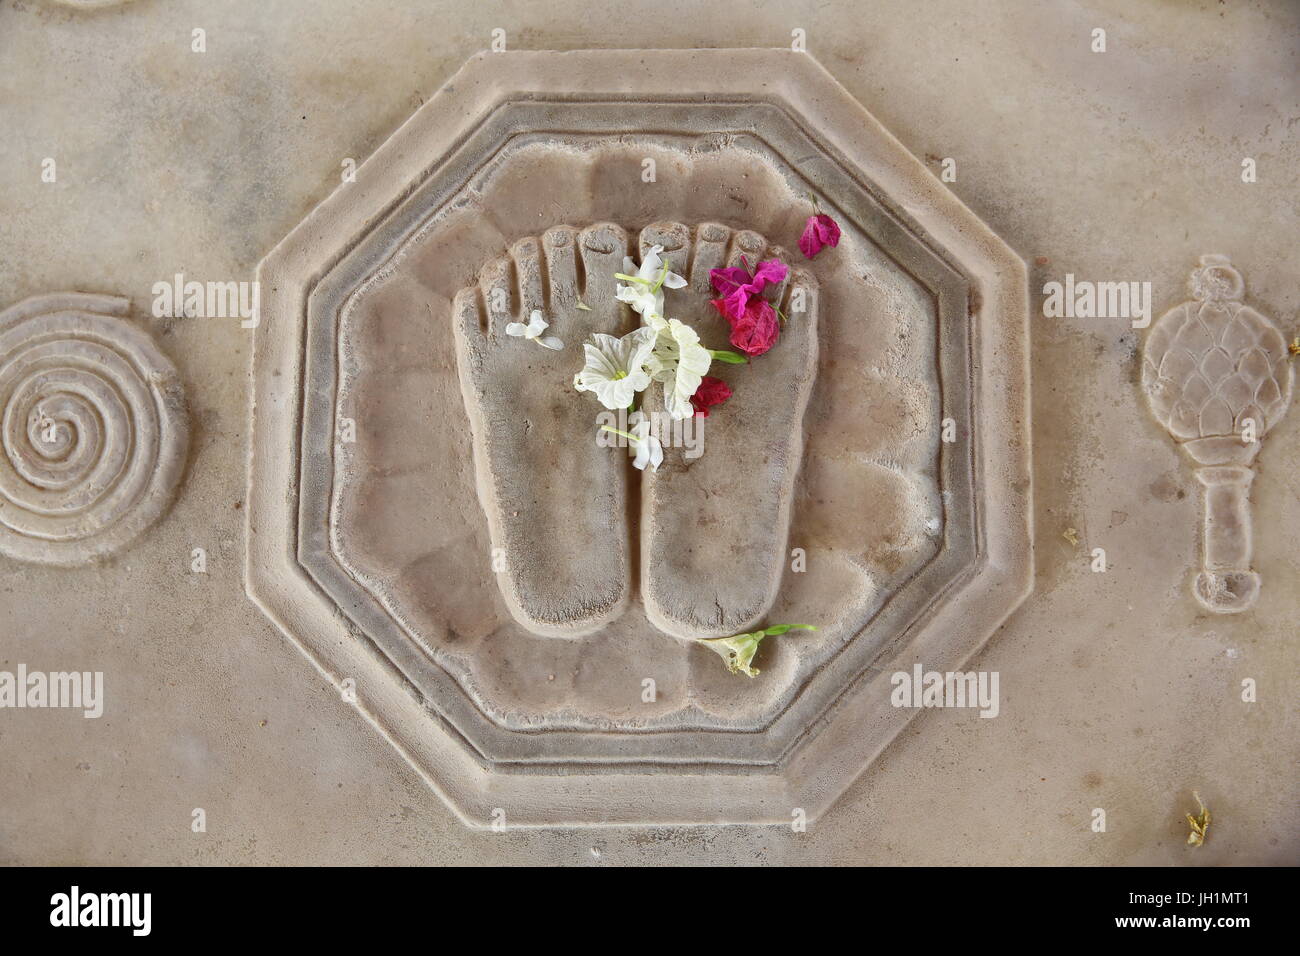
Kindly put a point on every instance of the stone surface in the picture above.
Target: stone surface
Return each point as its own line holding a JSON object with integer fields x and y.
{"x": 557, "y": 735}
{"x": 1119, "y": 690}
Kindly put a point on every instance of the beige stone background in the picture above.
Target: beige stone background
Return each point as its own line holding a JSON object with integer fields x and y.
{"x": 1117, "y": 691}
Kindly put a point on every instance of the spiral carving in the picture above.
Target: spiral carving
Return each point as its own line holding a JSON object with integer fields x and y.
{"x": 94, "y": 431}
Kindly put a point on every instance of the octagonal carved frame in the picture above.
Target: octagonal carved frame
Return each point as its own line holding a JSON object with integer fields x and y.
{"x": 840, "y": 720}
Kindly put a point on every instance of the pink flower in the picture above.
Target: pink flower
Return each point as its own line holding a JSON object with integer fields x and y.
{"x": 820, "y": 231}
{"x": 737, "y": 286}
{"x": 756, "y": 329}
{"x": 712, "y": 391}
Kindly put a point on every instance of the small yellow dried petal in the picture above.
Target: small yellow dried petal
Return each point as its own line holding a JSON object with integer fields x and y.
{"x": 1200, "y": 824}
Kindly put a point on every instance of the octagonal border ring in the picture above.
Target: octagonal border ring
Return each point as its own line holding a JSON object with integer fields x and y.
{"x": 348, "y": 278}
{"x": 860, "y": 721}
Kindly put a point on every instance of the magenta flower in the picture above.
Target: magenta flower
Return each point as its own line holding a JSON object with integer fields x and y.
{"x": 756, "y": 329}
{"x": 821, "y": 231}
{"x": 712, "y": 391}
{"x": 737, "y": 287}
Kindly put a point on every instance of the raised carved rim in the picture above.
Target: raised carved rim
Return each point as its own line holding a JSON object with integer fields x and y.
{"x": 802, "y": 769}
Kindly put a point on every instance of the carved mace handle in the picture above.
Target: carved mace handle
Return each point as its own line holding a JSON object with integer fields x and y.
{"x": 1217, "y": 375}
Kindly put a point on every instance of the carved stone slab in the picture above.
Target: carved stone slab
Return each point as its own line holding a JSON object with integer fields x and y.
{"x": 383, "y": 481}
{"x": 95, "y": 430}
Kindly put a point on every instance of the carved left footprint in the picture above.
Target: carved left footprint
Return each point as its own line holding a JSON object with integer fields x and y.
{"x": 556, "y": 503}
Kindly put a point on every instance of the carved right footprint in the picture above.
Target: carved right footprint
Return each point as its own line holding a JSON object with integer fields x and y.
{"x": 556, "y": 503}
{"x": 714, "y": 528}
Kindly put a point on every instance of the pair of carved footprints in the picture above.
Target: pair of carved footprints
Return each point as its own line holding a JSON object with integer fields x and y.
{"x": 712, "y": 529}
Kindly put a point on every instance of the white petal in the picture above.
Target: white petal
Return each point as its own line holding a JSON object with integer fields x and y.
{"x": 551, "y": 342}
{"x": 651, "y": 265}
{"x": 517, "y": 329}
{"x": 682, "y": 333}
{"x": 648, "y": 303}
{"x": 641, "y": 299}
{"x": 674, "y": 281}
{"x": 600, "y": 356}
{"x": 536, "y": 324}
{"x": 641, "y": 342}
{"x": 615, "y": 394}
{"x": 640, "y": 449}
{"x": 695, "y": 360}
{"x": 619, "y": 352}
{"x": 640, "y": 380}
{"x": 677, "y": 404}
{"x": 648, "y": 452}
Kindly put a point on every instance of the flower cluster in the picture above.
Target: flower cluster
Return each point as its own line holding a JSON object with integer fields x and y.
{"x": 662, "y": 350}
{"x": 669, "y": 352}
{"x": 753, "y": 320}
{"x": 712, "y": 391}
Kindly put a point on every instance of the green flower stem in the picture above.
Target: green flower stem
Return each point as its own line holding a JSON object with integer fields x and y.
{"x": 728, "y": 357}
{"x": 660, "y": 281}
{"x": 654, "y": 286}
{"x": 782, "y": 628}
{"x": 619, "y": 431}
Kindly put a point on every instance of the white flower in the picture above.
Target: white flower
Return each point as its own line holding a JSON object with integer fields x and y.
{"x": 649, "y": 451}
{"x": 615, "y": 368}
{"x": 679, "y": 361}
{"x": 646, "y": 284}
{"x": 533, "y": 330}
